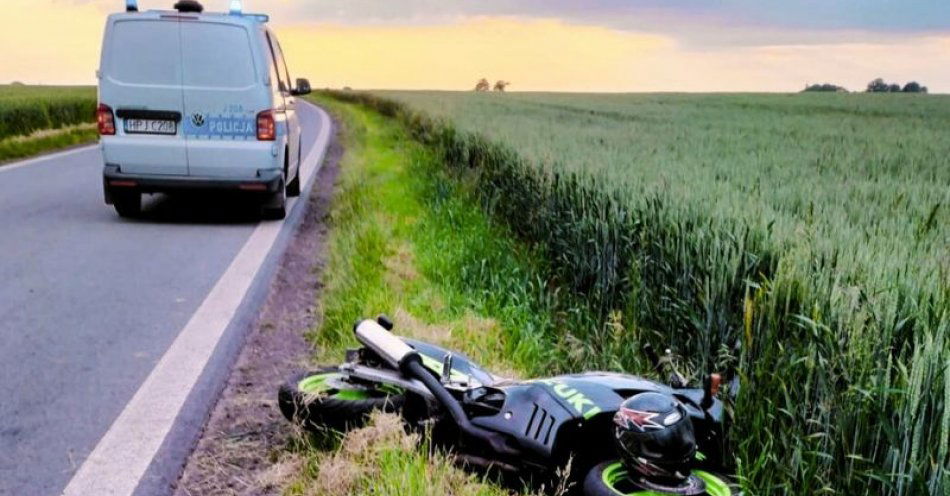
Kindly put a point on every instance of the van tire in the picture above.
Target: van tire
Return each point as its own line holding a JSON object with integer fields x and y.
{"x": 275, "y": 207}
{"x": 127, "y": 204}
{"x": 293, "y": 188}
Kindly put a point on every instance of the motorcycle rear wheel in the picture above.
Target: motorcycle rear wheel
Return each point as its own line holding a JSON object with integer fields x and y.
{"x": 611, "y": 479}
{"x": 326, "y": 398}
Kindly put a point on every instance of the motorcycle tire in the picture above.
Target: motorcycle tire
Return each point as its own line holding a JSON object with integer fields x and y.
{"x": 610, "y": 479}
{"x": 324, "y": 398}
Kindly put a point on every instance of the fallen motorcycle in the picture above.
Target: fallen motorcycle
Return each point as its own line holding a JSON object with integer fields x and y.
{"x": 625, "y": 435}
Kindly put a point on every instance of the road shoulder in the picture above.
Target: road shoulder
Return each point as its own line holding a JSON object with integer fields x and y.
{"x": 46, "y": 143}
{"x": 143, "y": 450}
{"x": 240, "y": 448}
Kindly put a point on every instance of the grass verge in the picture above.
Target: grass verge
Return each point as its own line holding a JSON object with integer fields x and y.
{"x": 409, "y": 241}
{"x": 46, "y": 141}
{"x": 846, "y": 386}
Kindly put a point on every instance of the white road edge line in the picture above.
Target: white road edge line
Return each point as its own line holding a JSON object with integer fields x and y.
{"x": 122, "y": 456}
{"x": 43, "y": 158}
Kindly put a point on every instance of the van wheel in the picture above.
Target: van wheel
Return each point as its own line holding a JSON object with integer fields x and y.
{"x": 293, "y": 188}
{"x": 275, "y": 208}
{"x": 127, "y": 203}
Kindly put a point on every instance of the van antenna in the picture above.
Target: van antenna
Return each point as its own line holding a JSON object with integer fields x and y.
{"x": 131, "y": 5}
{"x": 236, "y": 7}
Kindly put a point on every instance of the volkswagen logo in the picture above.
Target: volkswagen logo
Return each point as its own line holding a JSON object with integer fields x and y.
{"x": 198, "y": 120}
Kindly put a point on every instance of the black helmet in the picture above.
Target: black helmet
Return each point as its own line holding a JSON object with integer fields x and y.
{"x": 655, "y": 438}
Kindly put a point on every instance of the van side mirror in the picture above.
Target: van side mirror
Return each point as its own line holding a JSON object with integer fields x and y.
{"x": 303, "y": 87}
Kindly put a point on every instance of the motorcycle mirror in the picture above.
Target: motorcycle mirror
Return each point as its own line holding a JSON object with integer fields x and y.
{"x": 447, "y": 368}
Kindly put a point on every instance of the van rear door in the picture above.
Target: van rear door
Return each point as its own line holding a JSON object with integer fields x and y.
{"x": 141, "y": 80}
{"x": 223, "y": 93}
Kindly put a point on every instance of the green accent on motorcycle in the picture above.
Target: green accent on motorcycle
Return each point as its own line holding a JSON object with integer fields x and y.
{"x": 389, "y": 389}
{"x": 573, "y": 397}
{"x": 319, "y": 385}
{"x": 615, "y": 473}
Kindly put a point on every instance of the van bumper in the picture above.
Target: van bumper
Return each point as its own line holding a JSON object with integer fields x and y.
{"x": 267, "y": 181}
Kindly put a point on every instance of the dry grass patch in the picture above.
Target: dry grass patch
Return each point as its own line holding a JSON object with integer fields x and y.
{"x": 480, "y": 338}
{"x": 381, "y": 459}
{"x": 286, "y": 468}
{"x": 400, "y": 267}
{"x": 409, "y": 325}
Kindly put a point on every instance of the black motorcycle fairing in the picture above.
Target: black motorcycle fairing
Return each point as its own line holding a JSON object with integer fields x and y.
{"x": 593, "y": 393}
{"x": 531, "y": 416}
{"x": 544, "y": 415}
{"x": 536, "y": 412}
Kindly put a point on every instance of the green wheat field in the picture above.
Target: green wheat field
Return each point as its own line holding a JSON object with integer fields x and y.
{"x": 26, "y": 109}
{"x": 38, "y": 119}
{"x": 802, "y": 239}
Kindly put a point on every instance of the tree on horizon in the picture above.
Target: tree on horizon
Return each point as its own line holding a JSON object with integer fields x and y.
{"x": 880, "y": 86}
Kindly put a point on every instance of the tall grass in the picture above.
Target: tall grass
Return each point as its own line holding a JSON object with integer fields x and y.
{"x": 26, "y": 109}
{"x": 407, "y": 240}
{"x": 810, "y": 230}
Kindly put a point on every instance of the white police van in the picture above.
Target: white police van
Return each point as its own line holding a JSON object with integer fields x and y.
{"x": 195, "y": 100}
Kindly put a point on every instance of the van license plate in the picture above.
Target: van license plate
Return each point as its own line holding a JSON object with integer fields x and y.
{"x": 150, "y": 126}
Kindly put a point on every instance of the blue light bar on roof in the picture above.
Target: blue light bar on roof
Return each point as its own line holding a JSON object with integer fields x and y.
{"x": 236, "y": 7}
{"x": 131, "y": 5}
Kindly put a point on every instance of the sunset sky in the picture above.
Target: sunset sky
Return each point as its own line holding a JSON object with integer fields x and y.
{"x": 558, "y": 45}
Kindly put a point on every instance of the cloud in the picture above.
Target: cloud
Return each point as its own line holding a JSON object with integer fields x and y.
{"x": 552, "y": 55}
{"x": 640, "y": 15}
{"x": 697, "y": 23}
{"x": 544, "y": 46}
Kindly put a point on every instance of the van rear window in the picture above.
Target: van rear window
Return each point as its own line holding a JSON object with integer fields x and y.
{"x": 145, "y": 52}
{"x": 216, "y": 56}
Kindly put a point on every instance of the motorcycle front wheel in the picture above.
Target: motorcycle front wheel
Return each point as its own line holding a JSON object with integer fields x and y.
{"x": 611, "y": 479}
{"x": 327, "y": 398}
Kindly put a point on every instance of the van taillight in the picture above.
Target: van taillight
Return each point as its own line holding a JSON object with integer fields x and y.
{"x": 106, "y": 120}
{"x": 266, "y": 126}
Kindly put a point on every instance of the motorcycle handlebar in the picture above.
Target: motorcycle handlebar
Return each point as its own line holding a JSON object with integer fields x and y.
{"x": 407, "y": 360}
{"x": 412, "y": 366}
{"x": 389, "y": 347}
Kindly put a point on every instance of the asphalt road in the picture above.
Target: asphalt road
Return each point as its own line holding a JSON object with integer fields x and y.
{"x": 90, "y": 302}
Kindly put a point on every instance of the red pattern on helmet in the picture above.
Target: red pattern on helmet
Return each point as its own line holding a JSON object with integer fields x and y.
{"x": 628, "y": 418}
